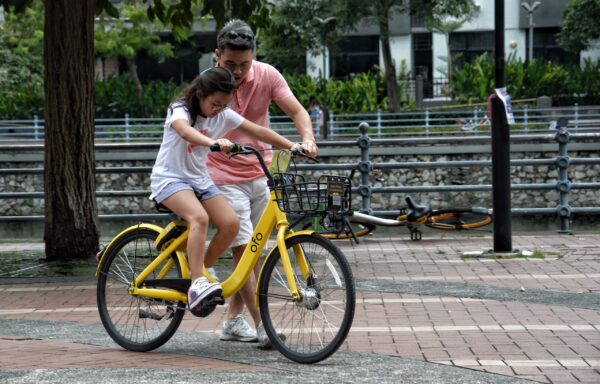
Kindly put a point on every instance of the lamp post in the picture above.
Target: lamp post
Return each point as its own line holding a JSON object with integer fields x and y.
{"x": 530, "y": 8}
{"x": 325, "y": 25}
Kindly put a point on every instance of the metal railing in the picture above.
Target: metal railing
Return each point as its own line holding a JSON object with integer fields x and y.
{"x": 422, "y": 123}
{"x": 365, "y": 190}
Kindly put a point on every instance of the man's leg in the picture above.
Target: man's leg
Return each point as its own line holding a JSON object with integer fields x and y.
{"x": 245, "y": 295}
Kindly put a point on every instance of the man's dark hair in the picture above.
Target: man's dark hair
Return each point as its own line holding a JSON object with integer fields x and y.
{"x": 236, "y": 35}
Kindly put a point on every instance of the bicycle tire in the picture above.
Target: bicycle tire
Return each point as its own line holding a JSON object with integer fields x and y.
{"x": 136, "y": 323}
{"x": 316, "y": 326}
{"x": 456, "y": 219}
{"x": 360, "y": 230}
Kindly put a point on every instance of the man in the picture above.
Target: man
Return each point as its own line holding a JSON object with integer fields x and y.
{"x": 240, "y": 178}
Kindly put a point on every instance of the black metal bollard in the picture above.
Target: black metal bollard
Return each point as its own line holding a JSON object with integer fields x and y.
{"x": 365, "y": 167}
{"x": 501, "y": 177}
{"x": 563, "y": 209}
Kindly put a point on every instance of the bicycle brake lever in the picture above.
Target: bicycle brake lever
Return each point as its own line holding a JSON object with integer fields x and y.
{"x": 296, "y": 152}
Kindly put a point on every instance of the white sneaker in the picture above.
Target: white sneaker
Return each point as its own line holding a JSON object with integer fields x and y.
{"x": 238, "y": 329}
{"x": 201, "y": 289}
{"x": 263, "y": 338}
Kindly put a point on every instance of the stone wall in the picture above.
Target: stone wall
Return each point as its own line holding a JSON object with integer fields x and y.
{"x": 382, "y": 201}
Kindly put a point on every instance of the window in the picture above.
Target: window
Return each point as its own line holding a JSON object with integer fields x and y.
{"x": 546, "y": 48}
{"x": 355, "y": 54}
{"x": 467, "y": 46}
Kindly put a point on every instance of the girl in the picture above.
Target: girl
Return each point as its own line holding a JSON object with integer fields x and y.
{"x": 180, "y": 179}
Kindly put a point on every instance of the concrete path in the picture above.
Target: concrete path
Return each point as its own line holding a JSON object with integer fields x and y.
{"x": 425, "y": 314}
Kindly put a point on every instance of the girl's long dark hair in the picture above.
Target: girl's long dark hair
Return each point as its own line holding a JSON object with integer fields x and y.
{"x": 216, "y": 79}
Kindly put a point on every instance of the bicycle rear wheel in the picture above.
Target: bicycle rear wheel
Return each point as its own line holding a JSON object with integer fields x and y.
{"x": 360, "y": 230}
{"x": 136, "y": 323}
{"x": 456, "y": 219}
{"x": 316, "y": 325}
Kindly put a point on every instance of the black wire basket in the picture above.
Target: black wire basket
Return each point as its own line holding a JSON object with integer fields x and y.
{"x": 297, "y": 196}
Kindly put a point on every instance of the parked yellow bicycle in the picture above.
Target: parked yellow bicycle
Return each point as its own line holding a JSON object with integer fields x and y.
{"x": 305, "y": 289}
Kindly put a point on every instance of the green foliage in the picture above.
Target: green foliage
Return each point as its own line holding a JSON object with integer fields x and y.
{"x": 475, "y": 81}
{"x": 21, "y": 83}
{"x": 579, "y": 25}
{"x": 125, "y": 37}
{"x": 25, "y": 34}
{"x": 291, "y": 34}
{"x": 364, "y": 92}
{"x": 116, "y": 96}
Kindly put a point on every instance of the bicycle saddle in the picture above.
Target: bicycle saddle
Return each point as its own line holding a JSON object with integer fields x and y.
{"x": 415, "y": 211}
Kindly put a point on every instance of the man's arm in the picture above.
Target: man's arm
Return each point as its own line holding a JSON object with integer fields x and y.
{"x": 292, "y": 107}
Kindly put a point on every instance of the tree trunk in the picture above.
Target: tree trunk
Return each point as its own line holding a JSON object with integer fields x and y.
{"x": 139, "y": 91}
{"x": 71, "y": 228}
{"x": 390, "y": 69}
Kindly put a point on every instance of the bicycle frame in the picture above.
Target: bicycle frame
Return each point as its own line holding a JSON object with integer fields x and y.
{"x": 271, "y": 218}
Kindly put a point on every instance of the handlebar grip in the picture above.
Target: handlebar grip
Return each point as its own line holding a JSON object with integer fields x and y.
{"x": 237, "y": 147}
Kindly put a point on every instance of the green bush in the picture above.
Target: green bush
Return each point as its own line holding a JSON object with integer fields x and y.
{"x": 21, "y": 85}
{"x": 567, "y": 85}
{"x": 116, "y": 96}
{"x": 364, "y": 92}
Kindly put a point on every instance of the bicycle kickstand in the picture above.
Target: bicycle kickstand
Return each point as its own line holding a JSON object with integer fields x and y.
{"x": 349, "y": 228}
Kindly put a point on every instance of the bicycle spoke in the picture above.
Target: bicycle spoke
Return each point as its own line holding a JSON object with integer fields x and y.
{"x": 317, "y": 323}
{"x": 135, "y": 322}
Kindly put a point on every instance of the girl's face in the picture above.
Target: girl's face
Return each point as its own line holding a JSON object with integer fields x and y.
{"x": 213, "y": 104}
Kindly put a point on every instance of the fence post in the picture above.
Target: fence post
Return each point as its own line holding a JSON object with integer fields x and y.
{"x": 331, "y": 125}
{"x": 526, "y": 118}
{"x": 127, "y": 127}
{"x": 576, "y": 117}
{"x": 419, "y": 91}
{"x": 379, "y": 123}
{"x": 427, "y": 122}
{"x": 564, "y": 186}
{"x": 475, "y": 121}
{"x": 365, "y": 167}
{"x": 36, "y": 128}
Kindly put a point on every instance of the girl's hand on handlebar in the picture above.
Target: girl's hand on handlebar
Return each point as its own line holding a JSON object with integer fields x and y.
{"x": 224, "y": 145}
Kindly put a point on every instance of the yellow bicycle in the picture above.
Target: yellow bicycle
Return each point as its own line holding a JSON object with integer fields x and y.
{"x": 354, "y": 224}
{"x": 305, "y": 289}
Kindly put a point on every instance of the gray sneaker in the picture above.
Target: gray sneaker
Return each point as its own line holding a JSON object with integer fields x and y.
{"x": 263, "y": 338}
{"x": 238, "y": 329}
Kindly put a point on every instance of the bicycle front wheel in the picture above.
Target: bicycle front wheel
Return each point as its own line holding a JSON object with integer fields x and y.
{"x": 455, "y": 219}
{"x": 315, "y": 325}
{"x": 136, "y": 323}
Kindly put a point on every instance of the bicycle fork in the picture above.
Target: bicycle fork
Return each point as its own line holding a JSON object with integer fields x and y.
{"x": 282, "y": 229}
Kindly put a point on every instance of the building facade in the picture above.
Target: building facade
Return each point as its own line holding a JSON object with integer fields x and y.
{"x": 421, "y": 52}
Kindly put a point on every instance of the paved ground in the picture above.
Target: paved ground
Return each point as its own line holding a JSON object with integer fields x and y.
{"x": 425, "y": 314}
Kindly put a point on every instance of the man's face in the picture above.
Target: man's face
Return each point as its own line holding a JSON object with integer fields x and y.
{"x": 238, "y": 62}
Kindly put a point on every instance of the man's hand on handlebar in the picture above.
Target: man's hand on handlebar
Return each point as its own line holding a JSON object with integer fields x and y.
{"x": 309, "y": 147}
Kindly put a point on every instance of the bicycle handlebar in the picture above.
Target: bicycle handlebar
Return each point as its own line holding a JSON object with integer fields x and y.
{"x": 240, "y": 149}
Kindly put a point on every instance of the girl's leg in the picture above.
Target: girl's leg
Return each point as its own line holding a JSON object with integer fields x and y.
{"x": 186, "y": 205}
{"x": 227, "y": 224}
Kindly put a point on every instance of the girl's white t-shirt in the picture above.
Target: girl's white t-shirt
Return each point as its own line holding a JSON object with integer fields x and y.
{"x": 179, "y": 160}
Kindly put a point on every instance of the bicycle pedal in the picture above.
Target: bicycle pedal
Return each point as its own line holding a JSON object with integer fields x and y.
{"x": 207, "y": 306}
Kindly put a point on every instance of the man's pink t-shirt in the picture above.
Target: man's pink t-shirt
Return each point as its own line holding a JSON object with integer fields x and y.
{"x": 251, "y": 99}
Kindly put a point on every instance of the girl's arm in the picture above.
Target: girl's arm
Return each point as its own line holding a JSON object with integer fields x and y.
{"x": 189, "y": 134}
{"x": 265, "y": 134}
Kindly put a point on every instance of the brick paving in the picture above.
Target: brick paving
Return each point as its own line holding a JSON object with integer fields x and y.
{"x": 533, "y": 319}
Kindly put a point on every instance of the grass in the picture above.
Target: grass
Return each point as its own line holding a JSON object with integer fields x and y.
{"x": 535, "y": 254}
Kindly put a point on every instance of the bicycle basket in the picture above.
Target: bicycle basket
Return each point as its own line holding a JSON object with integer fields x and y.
{"x": 328, "y": 193}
